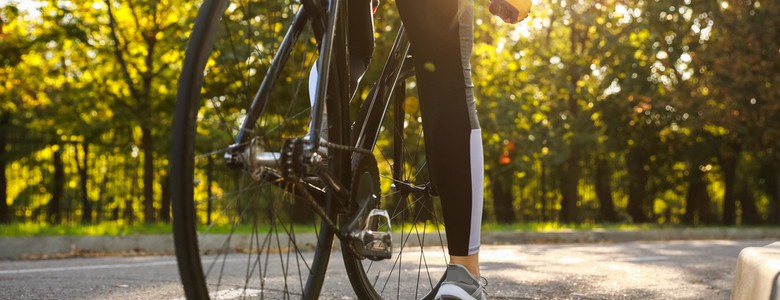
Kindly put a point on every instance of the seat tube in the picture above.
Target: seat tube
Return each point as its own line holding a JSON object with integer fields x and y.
{"x": 330, "y": 74}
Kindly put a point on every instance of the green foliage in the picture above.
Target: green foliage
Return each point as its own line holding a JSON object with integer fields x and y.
{"x": 108, "y": 228}
{"x": 555, "y": 226}
{"x": 117, "y": 229}
{"x": 668, "y": 95}
{"x": 646, "y": 86}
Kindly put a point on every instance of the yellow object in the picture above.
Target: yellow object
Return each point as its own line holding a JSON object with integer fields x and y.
{"x": 511, "y": 11}
{"x": 523, "y": 7}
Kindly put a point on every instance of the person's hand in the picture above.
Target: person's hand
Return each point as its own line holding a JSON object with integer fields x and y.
{"x": 511, "y": 11}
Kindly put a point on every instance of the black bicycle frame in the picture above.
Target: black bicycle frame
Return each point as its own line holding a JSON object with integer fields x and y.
{"x": 269, "y": 81}
{"x": 330, "y": 31}
{"x": 379, "y": 100}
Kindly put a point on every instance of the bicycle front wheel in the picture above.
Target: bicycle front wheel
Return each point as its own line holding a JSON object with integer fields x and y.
{"x": 237, "y": 233}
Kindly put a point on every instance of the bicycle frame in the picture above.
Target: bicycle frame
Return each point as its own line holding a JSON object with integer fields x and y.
{"x": 378, "y": 101}
{"x": 333, "y": 84}
{"x": 327, "y": 186}
{"x": 328, "y": 36}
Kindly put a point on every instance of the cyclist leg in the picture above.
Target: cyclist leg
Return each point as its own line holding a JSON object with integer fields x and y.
{"x": 441, "y": 34}
{"x": 361, "y": 45}
{"x": 361, "y": 40}
{"x": 361, "y": 48}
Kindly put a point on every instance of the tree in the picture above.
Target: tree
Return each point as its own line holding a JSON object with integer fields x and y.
{"x": 738, "y": 70}
{"x": 22, "y": 68}
{"x": 144, "y": 42}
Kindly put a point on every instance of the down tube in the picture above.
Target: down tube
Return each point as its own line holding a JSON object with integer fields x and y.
{"x": 386, "y": 85}
{"x": 280, "y": 59}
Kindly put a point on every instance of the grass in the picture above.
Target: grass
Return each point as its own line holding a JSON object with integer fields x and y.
{"x": 115, "y": 229}
{"x": 118, "y": 229}
{"x": 555, "y": 226}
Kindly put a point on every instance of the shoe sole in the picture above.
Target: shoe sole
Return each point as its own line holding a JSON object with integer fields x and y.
{"x": 450, "y": 292}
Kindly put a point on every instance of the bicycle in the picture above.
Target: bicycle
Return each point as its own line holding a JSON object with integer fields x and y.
{"x": 295, "y": 190}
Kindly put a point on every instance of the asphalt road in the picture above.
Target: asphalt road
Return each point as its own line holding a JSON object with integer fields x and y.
{"x": 646, "y": 270}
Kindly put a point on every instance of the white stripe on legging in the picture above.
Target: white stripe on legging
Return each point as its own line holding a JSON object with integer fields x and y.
{"x": 477, "y": 184}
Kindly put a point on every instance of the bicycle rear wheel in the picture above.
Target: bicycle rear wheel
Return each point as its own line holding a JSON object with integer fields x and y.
{"x": 419, "y": 249}
{"x": 239, "y": 234}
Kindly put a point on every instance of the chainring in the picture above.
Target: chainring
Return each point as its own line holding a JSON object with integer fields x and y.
{"x": 365, "y": 192}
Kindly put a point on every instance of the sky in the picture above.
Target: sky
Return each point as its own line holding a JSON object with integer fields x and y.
{"x": 24, "y": 5}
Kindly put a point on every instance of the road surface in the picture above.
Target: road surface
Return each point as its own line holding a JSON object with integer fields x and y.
{"x": 641, "y": 270}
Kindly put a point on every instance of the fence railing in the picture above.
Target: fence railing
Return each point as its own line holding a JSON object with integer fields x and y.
{"x": 76, "y": 182}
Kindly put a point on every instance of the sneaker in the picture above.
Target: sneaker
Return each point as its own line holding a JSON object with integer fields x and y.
{"x": 459, "y": 284}
{"x": 435, "y": 290}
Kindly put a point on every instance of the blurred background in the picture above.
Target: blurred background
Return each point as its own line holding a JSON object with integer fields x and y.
{"x": 601, "y": 111}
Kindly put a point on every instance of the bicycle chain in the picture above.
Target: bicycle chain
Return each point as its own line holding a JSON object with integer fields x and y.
{"x": 350, "y": 149}
{"x": 345, "y": 148}
{"x": 318, "y": 209}
{"x": 299, "y": 188}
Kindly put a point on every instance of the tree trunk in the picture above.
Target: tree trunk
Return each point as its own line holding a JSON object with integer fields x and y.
{"x": 572, "y": 170}
{"x": 99, "y": 213}
{"x": 569, "y": 185}
{"x": 165, "y": 209}
{"x": 115, "y": 211}
{"x": 604, "y": 192}
{"x": 697, "y": 200}
{"x": 706, "y": 215}
{"x": 143, "y": 97}
{"x": 502, "y": 197}
{"x": 747, "y": 203}
{"x": 5, "y": 211}
{"x": 691, "y": 200}
{"x": 771, "y": 187}
{"x": 146, "y": 145}
{"x": 86, "y": 205}
{"x": 637, "y": 185}
{"x": 776, "y": 199}
{"x": 129, "y": 213}
{"x": 543, "y": 183}
{"x": 729, "y": 161}
{"x": 54, "y": 206}
{"x": 101, "y": 198}
{"x": 209, "y": 191}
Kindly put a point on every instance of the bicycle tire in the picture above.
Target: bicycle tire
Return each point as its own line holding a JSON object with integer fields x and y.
{"x": 419, "y": 255}
{"x": 257, "y": 208}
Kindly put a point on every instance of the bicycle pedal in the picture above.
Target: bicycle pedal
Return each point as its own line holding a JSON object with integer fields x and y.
{"x": 375, "y": 240}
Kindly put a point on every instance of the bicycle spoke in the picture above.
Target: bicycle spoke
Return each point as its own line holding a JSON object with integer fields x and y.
{"x": 263, "y": 216}
{"x": 409, "y": 272}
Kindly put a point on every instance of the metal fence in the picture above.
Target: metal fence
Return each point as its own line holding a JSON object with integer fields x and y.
{"x": 76, "y": 182}
{"x": 73, "y": 182}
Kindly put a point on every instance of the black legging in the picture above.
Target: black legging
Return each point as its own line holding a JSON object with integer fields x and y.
{"x": 361, "y": 39}
{"x": 441, "y": 35}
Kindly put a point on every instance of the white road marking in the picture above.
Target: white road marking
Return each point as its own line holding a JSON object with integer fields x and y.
{"x": 111, "y": 266}
{"x": 231, "y": 294}
{"x": 95, "y": 267}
